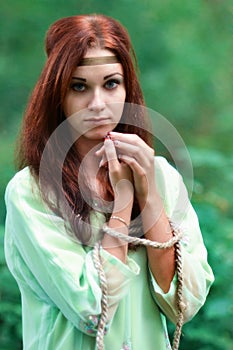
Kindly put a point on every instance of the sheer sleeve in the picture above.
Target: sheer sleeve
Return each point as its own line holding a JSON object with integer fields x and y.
{"x": 197, "y": 273}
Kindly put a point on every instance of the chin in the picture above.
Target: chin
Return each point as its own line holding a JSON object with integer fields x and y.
{"x": 98, "y": 133}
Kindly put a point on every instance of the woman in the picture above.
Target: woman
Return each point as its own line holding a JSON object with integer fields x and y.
{"x": 87, "y": 178}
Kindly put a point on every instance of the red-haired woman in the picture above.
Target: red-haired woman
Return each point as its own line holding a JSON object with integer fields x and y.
{"x": 87, "y": 190}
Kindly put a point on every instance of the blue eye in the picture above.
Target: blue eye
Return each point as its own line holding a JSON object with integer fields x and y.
{"x": 112, "y": 84}
{"x": 79, "y": 87}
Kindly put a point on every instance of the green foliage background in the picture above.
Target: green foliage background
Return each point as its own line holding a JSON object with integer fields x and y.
{"x": 184, "y": 50}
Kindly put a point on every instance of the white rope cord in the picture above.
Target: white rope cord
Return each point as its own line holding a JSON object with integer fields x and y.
{"x": 104, "y": 301}
{"x": 174, "y": 241}
{"x": 179, "y": 294}
{"x": 142, "y": 241}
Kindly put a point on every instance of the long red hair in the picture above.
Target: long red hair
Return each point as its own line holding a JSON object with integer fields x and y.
{"x": 67, "y": 41}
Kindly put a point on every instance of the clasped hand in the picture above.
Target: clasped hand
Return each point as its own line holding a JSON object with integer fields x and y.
{"x": 129, "y": 158}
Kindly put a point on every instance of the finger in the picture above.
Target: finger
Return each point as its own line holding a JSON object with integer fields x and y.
{"x": 141, "y": 183}
{"x": 100, "y": 152}
{"x": 111, "y": 155}
{"x": 128, "y": 138}
{"x": 134, "y": 146}
{"x": 103, "y": 161}
{"x": 144, "y": 155}
{"x": 133, "y": 164}
{"x": 125, "y": 148}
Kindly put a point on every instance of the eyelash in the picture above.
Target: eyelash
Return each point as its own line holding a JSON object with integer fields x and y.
{"x": 81, "y": 87}
{"x": 76, "y": 87}
{"x": 116, "y": 82}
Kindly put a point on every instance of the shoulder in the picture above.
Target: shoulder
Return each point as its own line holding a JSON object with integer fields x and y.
{"x": 22, "y": 179}
{"x": 165, "y": 171}
{"x": 23, "y": 185}
{"x": 170, "y": 186}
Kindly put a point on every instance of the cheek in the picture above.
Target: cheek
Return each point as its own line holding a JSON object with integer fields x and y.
{"x": 123, "y": 94}
{"x": 119, "y": 105}
{"x": 71, "y": 105}
{"x": 117, "y": 110}
{"x": 66, "y": 106}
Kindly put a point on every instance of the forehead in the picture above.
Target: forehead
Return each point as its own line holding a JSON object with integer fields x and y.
{"x": 95, "y": 71}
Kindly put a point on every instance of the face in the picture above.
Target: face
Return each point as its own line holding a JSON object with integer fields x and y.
{"x": 96, "y": 95}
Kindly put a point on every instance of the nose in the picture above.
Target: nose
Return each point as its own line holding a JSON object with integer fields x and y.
{"x": 96, "y": 103}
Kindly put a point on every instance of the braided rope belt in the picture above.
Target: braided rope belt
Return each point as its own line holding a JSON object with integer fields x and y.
{"x": 174, "y": 241}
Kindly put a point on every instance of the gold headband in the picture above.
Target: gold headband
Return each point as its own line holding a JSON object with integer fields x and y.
{"x": 94, "y": 61}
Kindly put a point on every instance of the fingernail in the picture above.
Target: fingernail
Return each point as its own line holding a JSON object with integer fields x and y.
{"x": 108, "y": 136}
{"x": 101, "y": 163}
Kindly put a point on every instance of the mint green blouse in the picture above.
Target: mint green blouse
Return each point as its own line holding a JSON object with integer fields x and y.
{"x": 59, "y": 285}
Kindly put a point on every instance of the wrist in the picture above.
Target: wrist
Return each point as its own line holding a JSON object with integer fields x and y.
{"x": 125, "y": 215}
{"x": 152, "y": 201}
{"x": 123, "y": 203}
{"x": 149, "y": 197}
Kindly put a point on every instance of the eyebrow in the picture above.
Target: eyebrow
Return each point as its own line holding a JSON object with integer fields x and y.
{"x": 110, "y": 75}
{"x": 77, "y": 78}
{"x": 105, "y": 78}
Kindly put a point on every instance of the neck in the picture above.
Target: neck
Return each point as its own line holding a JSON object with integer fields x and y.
{"x": 90, "y": 165}
{"x": 86, "y": 149}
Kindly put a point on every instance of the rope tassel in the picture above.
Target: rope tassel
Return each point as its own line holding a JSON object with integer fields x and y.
{"x": 174, "y": 241}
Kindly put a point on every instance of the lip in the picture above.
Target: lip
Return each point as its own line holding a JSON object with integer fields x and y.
{"x": 97, "y": 120}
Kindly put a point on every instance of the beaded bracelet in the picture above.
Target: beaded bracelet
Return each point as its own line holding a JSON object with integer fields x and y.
{"x": 114, "y": 217}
